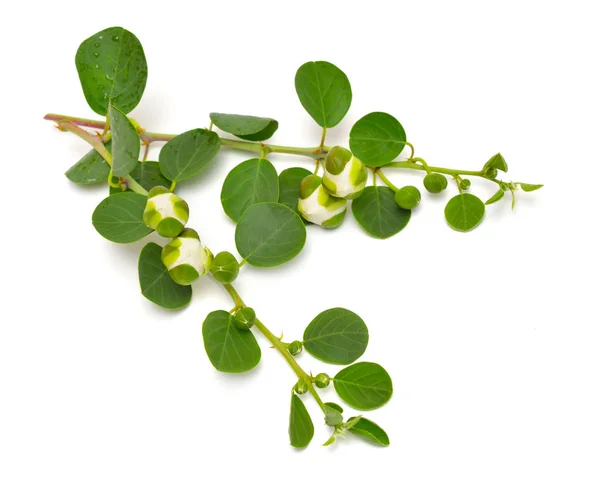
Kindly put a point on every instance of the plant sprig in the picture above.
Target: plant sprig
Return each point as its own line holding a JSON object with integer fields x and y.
{"x": 271, "y": 212}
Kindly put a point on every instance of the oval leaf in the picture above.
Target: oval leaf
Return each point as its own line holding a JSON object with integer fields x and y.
{"x": 229, "y": 349}
{"x": 333, "y": 417}
{"x": 252, "y": 181}
{"x": 301, "y": 428}
{"x": 335, "y": 406}
{"x": 498, "y": 195}
{"x": 188, "y": 154}
{"x": 112, "y": 69}
{"x": 378, "y": 214}
{"x": 530, "y": 187}
{"x": 125, "y": 143}
{"x": 119, "y": 217}
{"x": 498, "y": 162}
{"x": 368, "y": 430}
{"x": 269, "y": 234}
{"x": 464, "y": 212}
{"x": 155, "y": 282}
{"x": 289, "y": 186}
{"x": 91, "y": 169}
{"x": 324, "y": 91}
{"x": 365, "y": 386}
{"x": 377, "y": 138}
{"x": 336, "y": 336}
{"x": 250, "y": 128}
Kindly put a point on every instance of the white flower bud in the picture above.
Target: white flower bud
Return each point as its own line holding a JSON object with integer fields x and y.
{"x": 316, "y": 205}
{"x": 185, "y": 258}
{"x": 165, "y": 212}
{"x": 345, "y": 175}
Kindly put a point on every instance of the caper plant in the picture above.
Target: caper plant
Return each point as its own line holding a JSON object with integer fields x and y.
{"x": 270, "y": 210}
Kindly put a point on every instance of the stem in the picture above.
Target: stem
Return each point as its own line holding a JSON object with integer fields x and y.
{"x": 278, "y": 344}
{"x": 447, "y": 171}
{"x": 323, "y": 135}
{"x": 149, "y": 137}
{"x": 386, "y": 181}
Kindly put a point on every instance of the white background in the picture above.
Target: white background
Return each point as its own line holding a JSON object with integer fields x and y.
{"x": 491, "y": 337}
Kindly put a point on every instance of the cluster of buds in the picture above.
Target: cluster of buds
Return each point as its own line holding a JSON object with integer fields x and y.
{"x": 184, "y": 256}
{"x": 323, "y": 200}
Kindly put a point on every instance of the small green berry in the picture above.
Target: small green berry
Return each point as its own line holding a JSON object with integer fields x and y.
{"x": 322, "y": 380}
{"x": 225, "y": 267}
{"x": 244, "y": 319}
{"x": 465, "y": 184}
{"x": 301, "y": 387}
{"x": 435, "y": 183}
{"x": 295, "y": 347}
{"x": 490, "y": 173}
{"x": 407, "y": 197}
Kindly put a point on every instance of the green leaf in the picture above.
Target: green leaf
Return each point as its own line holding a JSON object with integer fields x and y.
{"x": 250, "y": 128}
{"x": 148, "y": 175}
{"x": 155, "y": 282}
{"x": 324, "y": 91}
{"x": 125, "y": 143}
{"x": 301, "y": 428}
{"x": 188, "y": 154}
{"x": 464, "y": 212}
{"x": 333, "y": 417}
{"x": 289, "y": 186}
{"x": 365, "y": 386}
{"x": 119, "y": 217}
{"x": 498, "y": 162}
{"x": 498, "y": 195}
{"x": 252, "y": 181}
{"x": 269, "y": 234}
{"x": 91, "y": 169}
{"x": 336, "y": 336}
{"x": 229, "y": 349}
{"x": 112, "y": 69}
{"x": 369, "y": 431}
{"x": 530, "y": 187}
{"x": 377, "y": 138}
{"x": 335, "y": 406}
{"x": 378, "y": 214}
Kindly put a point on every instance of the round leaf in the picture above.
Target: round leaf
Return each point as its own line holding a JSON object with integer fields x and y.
{"x": 377, "y": 138}
{"x": 336, "y": 336}
{"x": 365, "y": 386}
{"x": 269, "y": 234}
{"x": 301, "y": 429}
{"x": 250, "y": 128}
{"x": 90, "y": 169}
{"x": 378, "y": 213}
{"x": 252, "y": 181}
{"x": 119, "y": 217}
{"x": 368, "y": 430}
{"x": 324, "y": 91}
{"x": 230, "y": 350}
{"x": 125, "y": 143}
{"x": 155, "y": 282}
{"x": 188, "y": 154}
{"x": 464, "y": 212}
{"x": 289, "y": 186}
{"x": 112, "y": 69}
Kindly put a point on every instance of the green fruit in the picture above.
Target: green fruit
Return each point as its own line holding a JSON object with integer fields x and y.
{"x": 465, "y": 184}
{"x": 295, "y": 347}
{"x": 244, "y": 318}
{"x": 322, "y": 380}
{"x": 490, "y": 173}
{"x": 301, "y": 387}
{"x": 435, "y": 183}
{"x": 407, "y": 197}
{"x": 225, "y": 267}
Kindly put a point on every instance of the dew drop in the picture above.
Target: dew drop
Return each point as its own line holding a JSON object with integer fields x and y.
{"x": 96, "y": 54}
{"x": 115, "y": 38}
{"x": 100, "y": 37}
{"x": 97, "y": 66}
{"x": 97, "y": 44}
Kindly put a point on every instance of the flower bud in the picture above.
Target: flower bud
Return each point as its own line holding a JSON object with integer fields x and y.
{"x": 435, "y": 183}
{"x": 316, "y": 205}
{"x": 295, "y": 347}
{"x": 345, "y": 175}
{"x": 185, "y": 258}
{"x": 244, "y": 318}
{"x": 225, "y": 267}
{"x": 322, "y": 380}
{"x": 407, "y": 197}
{"x": 301, "y": 387}
{"x": 465, "y": 184}
{"x": 165, "y": 212}
{"x": 490, "y": 173}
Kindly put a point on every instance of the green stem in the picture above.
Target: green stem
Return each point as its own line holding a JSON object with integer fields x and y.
{"x": 253, "y": 147}
{"x": 448, "y": 171}
{"x": 279, "y": 345}
{"x": 386, "y": 181}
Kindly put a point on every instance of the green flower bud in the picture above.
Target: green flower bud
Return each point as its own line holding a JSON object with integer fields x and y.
{"x": 435, "y": 183}
{"x": 490, "y": 173}
{"x": 225, "y": 267}
{"x": 407, "y": 197}
{"x": 345, "y": 175}
{"x": 244, "y": 318}
{"x": 185, "y": 258}
{"x": 301, "y": 387}
{"x": 295, "y": 347}
{"x": 465, "y": 184}
{"x": 165, "y": 212}
{"x": 316, "y": 205}
{"x": 322, "y": 380}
